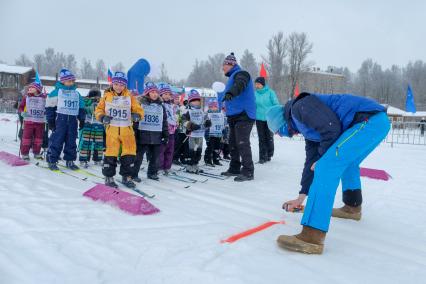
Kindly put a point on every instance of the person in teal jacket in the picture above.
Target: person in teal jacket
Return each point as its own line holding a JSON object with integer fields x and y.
{"x": 265, "y": 99}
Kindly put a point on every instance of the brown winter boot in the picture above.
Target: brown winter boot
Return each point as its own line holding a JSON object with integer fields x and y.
{"x": 347, "y": 212}
{"x": 310, "y": 241}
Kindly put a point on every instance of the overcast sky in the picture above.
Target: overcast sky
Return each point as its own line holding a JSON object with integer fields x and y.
{"x": 344, "y": 33}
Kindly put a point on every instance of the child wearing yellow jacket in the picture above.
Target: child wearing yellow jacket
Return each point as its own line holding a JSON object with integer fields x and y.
{"x": 116, "y": 110}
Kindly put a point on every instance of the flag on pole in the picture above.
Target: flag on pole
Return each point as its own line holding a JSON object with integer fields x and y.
{"x": 410, "y": 105}
{"x": 37, "y": 79}
{"x": 296, "y": 90}
{"x": 109, "y": 75}
{"x": 263, "y": 71}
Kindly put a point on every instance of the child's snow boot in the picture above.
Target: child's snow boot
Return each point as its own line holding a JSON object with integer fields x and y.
{"x": 347, "y": 212}
{"x": 84, "y": 164}
{"x": 38, "y": 156}
{"x": 70, "y": 165}
{"x": 109, "y": 181}
{"x": 53, "y": 166}
{"x": 25, "y": 157}
{"x": 136, "y": 179}
{"x": 127, "y": 181}
{"x": 310, "y": 241}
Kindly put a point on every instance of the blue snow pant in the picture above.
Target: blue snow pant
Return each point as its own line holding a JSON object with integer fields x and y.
{"x": 65, "y": 133}
{"x": 341, "y": 161}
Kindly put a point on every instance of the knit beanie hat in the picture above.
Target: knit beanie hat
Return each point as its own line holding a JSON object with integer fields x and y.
{"x": 119, "y": 78}
{"x": 66, "y": 75}
{"x": 230, "y": 60}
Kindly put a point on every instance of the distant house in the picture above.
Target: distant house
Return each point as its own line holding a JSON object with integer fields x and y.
{"x": 398, "y": 115}
{"x": 83, "y": 85}
{"x": 13, "y": 79}
{"x": 316, "y": 81}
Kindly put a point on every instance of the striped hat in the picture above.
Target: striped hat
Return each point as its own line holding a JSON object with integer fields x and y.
{"x": 149, "y": 87}
{"x": 164, "y": 89}
{"x": 230, "y": 60}
{"x": 66, "y": 75}
{"x": 212, "y": 104}
{"x": 119, "y": 78}
{"x": 193, "y": 95}
{"x": 36, "y": 86}
{"x": 175, "y": 95}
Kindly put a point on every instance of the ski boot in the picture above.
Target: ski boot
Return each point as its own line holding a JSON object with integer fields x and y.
{"x": 136, "y": 179}
{"x": 209, "y": 164}
{"x": 310, "y": 241}
{"x": 166, "y": 172}
{"x": 38, "y": 156}
{"x": 242, "y": 177}
{"x": 70, "y": 165}
{"x": 84, "y": 164}
{"x": 53, "y": 166}
{"x": 217, "y": 163}
{"x": 153, "y": 176}
{"x": 230, "y": 173}
{"x": 109, "y": 181}
{"x": 127, "y": 181}
{"x": 25, "y": 157}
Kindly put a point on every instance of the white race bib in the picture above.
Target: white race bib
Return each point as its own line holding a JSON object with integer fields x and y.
{"x": 218, "y": 123}
{"x": 153, "y": 118}
{"x": 119, "y": 110}
{"x": 171, "y": 114}
{"x": 68, "y": 102}
{"x": 197, "y": 116}
{"x": 35, "y": 109}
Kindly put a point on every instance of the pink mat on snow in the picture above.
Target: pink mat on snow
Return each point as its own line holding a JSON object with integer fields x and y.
{"x": 133, "y": 204}
{"x": 12, "y": 159}
{"x": 375, "y": 174}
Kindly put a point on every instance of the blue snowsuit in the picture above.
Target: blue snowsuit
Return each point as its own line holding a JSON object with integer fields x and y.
{"x": 340, "y": 132}
{"x": 64, "y": 108}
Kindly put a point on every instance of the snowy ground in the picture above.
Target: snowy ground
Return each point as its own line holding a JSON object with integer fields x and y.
{"x": 50, "y": 233}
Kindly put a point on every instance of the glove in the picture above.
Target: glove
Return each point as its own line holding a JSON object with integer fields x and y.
{"x": 165, "y": 140}
{"x": 106, "y": 119}
{"x": 136, "y": 117}
{"x": 227, "y": 97}
{"x": 81, "y": 124}
{"x": 52, "y": 125}
{"x": 192, "y": 126}
{"x": 208, "y": 123}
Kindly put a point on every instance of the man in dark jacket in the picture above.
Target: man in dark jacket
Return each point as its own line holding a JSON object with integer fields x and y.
{"x": 240, "y": 103}
{"x": 340, "y": 132}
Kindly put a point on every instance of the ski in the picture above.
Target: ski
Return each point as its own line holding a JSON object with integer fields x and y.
{"x": 82, "y": 171}
{"x": 137, "y": 190}
{"x": 211, "y": 175}
{"x": 61, "y": 172}
{"x": 175, "y": 176}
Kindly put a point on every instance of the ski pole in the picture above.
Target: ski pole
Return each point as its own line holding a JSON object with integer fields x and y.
{"x": 17, "y": 123}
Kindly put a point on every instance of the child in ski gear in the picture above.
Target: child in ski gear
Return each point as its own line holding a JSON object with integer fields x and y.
{"x": 340, "y": 132}
{"x": 152, "y": 131}
{"x": 195, "y": 122}
{"x": 265, "y": 99}
{"x": 65, "y": 114}
{"x": 116, "y": 110}
{"x": 32, "y": 109}
{"x": 240, "y": 103}
{"x": 181, "y": 152}
{"x": 92, "y": 135}
{"x": 214, "y": 134}
{"x": 166, "y": 150}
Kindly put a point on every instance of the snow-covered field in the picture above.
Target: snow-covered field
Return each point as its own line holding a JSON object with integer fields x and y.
{"x": 50, "y": 233}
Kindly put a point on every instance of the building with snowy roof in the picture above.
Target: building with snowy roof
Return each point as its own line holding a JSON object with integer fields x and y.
{"x": 13, "y": 79}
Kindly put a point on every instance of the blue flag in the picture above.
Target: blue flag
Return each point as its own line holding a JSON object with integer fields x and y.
{"x": 37, "y": 79}
{"x": 410, "y": 106}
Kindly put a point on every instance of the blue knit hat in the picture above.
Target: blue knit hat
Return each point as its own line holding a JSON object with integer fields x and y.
{"x": 193, "y": 95}
{"x": 66, "y": 75}
{"x": 149, "y": 87}
{"x": 164, "y": 89}
{"x": 276, "y": 121}
{"x": 36, "y": 86}
{"x": 119, "y": 78}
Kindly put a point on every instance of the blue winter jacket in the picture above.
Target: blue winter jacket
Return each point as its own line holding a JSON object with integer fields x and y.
{"x": 265, "y": 98}
{"x": 321, "y": 119}
{"x": 52, "y": 103}
{"x": 242, "y": 91}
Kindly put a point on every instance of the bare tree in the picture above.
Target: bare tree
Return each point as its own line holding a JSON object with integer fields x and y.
{"x": 118, "y": 67}
{"x": 86, "y": 70}
{"x": 248, "y": 63}
{"x": 275, "y": 63}
{"x": 299, "y": 48}
{"x": 164, "y": 77}
{"x": 23, "y": 60}
{"x": 100, "y": 69}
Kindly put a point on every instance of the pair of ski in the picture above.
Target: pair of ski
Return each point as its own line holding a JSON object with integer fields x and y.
{"x": 86, "y": 176}
{"x": 206, "y": 174}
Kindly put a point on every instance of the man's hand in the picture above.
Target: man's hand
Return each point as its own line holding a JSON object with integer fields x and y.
{"x": 291, "y": 204}
{"x": 313, "y": 166}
